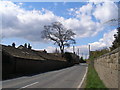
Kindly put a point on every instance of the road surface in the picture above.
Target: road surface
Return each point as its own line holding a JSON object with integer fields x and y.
{"x": 65, "y": 78}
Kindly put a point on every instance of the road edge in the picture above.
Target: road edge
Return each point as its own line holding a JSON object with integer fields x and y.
{"x": 82, "y": 83}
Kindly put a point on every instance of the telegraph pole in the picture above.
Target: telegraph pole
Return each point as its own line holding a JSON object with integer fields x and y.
{"x": 78, "y": 51}
{"x": 89, "y": 51}
{"x": 82, "y": 54}
{"x": 86, "y": 56}
{"x": 74, "y": 49}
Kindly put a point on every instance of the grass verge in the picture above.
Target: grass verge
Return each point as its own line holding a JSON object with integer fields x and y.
{"x": 93, "y": 80}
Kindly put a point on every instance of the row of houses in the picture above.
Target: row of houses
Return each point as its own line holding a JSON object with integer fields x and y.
{"x": 22, "y": 60}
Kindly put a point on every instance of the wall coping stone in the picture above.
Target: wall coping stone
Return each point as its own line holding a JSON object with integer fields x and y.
{"x": 108, "y": 54}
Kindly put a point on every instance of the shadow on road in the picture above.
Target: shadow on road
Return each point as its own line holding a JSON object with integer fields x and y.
{"x": 17, "y": 75}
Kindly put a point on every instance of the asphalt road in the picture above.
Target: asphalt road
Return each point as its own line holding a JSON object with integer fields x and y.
{"x": 65, "y": 78}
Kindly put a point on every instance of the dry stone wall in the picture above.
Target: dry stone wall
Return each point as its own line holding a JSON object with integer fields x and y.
{"x": 108, "y": 68}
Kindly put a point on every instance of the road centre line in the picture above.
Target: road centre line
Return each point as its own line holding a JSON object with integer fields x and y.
{"x": 28, "y": 85}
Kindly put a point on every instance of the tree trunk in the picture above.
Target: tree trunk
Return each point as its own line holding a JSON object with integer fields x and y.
{"x": 62, "y": 50}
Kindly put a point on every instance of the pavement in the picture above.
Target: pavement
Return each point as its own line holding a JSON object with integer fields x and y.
{"x": 71, "y": 77}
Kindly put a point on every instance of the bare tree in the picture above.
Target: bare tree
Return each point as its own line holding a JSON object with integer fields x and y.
{"x": 59, "y": 34}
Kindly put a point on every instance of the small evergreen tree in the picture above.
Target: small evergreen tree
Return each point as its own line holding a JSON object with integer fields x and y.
{"x": 29, "y": 46}
{"x": 45, "y": 51}
{"x": 81, "y": 58}
{"x": 13, "y": 44}
{"x": 116, "y": 42}
{"x": 25, "y": 45}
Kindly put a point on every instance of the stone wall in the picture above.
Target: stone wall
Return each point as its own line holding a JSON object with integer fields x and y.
{"x": 108, "y": 68}
{"x": 12, "y": 66}
{"x": 24, "y": 61}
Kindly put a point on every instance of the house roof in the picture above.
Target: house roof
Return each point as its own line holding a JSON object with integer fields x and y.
{"x": 23, "y": 52}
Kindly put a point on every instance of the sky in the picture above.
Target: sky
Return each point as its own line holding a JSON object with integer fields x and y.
{"x": 22, "y": 22}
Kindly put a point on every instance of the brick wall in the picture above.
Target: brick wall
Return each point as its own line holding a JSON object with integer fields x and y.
{"x": 108, "y": 68}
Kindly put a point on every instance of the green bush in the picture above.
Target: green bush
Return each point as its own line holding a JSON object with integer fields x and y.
{"x": 68, "y": 57}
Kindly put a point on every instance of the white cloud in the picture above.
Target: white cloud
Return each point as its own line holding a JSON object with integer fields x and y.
{"x": 85, "y": 25}
{"x": 29, "y": 24}
{"x": 106, "y": 41}
{"x": 23, "y": 23}
{"x": 20, "y": 3}
{"x": 50, "y": 49}
{"x": 101, "y": 12}
{"x": 86, "y": 9}
{"x": 18, "y": 22}
{"x": 106, "y": 11}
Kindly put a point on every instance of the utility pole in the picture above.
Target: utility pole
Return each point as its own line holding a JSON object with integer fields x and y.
{"x": 78, "y": 52}
{"x": 86, "y": 56}
{"x": 89, "y": 51}
{"x": 74, "y": 49}
{"x": 82, "y": 54}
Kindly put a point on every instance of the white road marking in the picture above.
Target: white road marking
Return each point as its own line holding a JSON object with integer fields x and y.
{"x": 83, "y": 78}
{"x": 28, "y": 85}
{"x": 0, "y": 85}
{"x": 83, "y": 64}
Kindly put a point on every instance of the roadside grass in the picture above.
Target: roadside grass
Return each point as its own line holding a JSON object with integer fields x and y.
{"x": 93, "y": 80}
